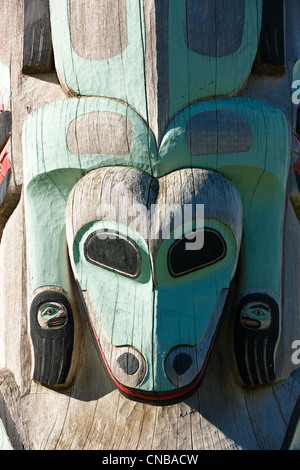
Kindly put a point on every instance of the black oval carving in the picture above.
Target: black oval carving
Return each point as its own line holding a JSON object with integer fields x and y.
{"x": 129, "y": 363}
{"x": 113, "y": 251}
{"x": 182, "y": 261}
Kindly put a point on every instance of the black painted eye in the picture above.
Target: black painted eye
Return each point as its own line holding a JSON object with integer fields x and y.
{"x": 182, "y": 261}
{"x": 113, "y": 251}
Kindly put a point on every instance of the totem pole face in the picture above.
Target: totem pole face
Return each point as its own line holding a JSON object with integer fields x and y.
{"x": 138, "y": 113}
{"x": 154, "y": 295}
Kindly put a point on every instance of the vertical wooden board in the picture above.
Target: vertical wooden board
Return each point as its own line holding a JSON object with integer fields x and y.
{"x": 37, "y": 43}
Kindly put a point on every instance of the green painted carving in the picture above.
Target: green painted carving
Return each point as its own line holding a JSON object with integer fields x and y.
{"x": 201, "y": 76}
{"x": 121, "y": 76}
{"x": 259, "y": 171}
{"x": 51, "y": 171}
{"x": 151, "y": 116}
{"x": 191, "y": 74}
{"x": 154, "y": 316}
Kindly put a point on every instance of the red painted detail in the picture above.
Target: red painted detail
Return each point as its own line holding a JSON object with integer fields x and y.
{"x": 5, "y": 164}
{"x": 156, "y": 396}
{"x": 1, "y": 103}
{"x": 297, "y": 166}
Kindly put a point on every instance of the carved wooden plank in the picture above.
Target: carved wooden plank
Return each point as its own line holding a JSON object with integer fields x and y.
{"x": 37, "y": 43}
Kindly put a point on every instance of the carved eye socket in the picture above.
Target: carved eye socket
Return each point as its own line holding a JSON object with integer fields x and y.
{"x": 113, "y": 251}
{"x": 182, "y": 261}
{"x": 258, "y": 313}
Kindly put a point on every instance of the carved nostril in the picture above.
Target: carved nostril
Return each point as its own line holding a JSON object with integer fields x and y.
{"x": 182, "y": 362}
{"x": 128, "y": 363}
{"x": 181, "y": 365}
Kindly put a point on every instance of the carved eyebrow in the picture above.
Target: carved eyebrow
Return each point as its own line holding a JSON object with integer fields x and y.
{"x": 259, "y": 306}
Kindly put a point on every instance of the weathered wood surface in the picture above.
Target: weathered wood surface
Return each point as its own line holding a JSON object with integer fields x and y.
{"x": 91, "y": 413}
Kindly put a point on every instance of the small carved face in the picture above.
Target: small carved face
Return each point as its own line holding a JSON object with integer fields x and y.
{"x": 256, "y": 315}
{"x": 52, "y": 315}
{"x": 154, "y": 296}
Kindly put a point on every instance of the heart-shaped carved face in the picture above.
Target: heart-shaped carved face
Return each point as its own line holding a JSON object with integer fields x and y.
{"x": 154, "y": 259}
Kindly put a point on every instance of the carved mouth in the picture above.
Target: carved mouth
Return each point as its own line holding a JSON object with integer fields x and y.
{"x": 185, "y": 386}
{"x": 158, "y": 397}
{"x": 250, "y": 322}
{"x": 58, "y": 321}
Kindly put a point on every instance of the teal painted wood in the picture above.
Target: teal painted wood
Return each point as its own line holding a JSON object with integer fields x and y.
{"x": 258, "y": 166}
{"x": 193, "y": 76}
{"x": 120, "y": 77}
{"x": 37, "y": 43}
{"x": 46, "y": 146}
{"x": 51, "y": 170}
{"x": 155, "y": 314}
{"x": 262, "y": 187}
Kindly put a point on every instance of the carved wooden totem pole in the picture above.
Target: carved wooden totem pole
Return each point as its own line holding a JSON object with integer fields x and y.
{"x": 149, "y": 219}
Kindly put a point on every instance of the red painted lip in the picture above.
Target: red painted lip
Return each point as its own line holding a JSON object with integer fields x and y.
{"x": 249, "y": 322}
{"x": 157, "y": 396}
{"x": 4, "y": 161}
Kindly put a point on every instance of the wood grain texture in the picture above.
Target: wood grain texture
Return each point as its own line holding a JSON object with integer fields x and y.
{"x": 37, "y": 43}
{"x": 110, "y": 26}
{"x": 153, "y": 314}
{"x": 91, "y": 414}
